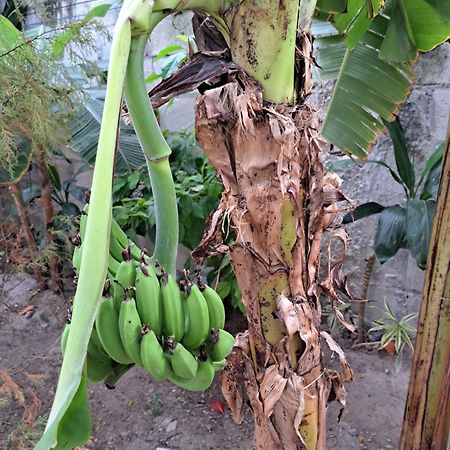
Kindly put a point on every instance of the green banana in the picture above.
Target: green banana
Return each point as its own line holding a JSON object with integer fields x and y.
{"x": 172, "y": 307}
{"x": 153, "y": 357}
{"x": 202, "y": 380}
{"x": 130, "y": 328}
{"x": 124, "y": 240}
{"x": 115, "y": 248}
{"x": 183, "y": 363}
{"x": 220, "y": 345}
{"x": 108, "y": 332}
{"x": 83, "y": 222}
{"x": 97, "y": 369}
{"x": 117, "y": 372}
{"x": 76, "y": 258}
{"x": 97, "y": 351}
{"x": 219, "y": 365}
{"x": 197, "y": 318}
{"x": 125, "y": 277}
{"x": 148, "y": 300}
{"x": 215, "y": 307}
{"x": 64, "y": 336}
{"x": 113, "y": 265}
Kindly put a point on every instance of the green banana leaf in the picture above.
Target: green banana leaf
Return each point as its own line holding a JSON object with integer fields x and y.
{"x": 85, "y": 129}
{"x": 364, "y": 210}
{"x": 366, "y": 90}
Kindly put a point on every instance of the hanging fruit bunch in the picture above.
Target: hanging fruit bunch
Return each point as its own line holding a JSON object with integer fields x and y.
{"x": 128, "y": 307}
{"x": 145, "y": 318}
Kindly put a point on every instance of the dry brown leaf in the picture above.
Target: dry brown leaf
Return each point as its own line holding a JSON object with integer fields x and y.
{"x": 10, "y": 388}
{"x": 346, "y": 374}
{"x": 27, "y": 309}
{"x": 271, "y": 388}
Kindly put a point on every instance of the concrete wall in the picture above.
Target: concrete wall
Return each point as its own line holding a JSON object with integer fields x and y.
{"x": 424, "y": 118}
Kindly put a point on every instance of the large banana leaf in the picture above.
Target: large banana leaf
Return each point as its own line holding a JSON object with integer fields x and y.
{"x": 85, "y": 129}
{"x": 367, "y": 88}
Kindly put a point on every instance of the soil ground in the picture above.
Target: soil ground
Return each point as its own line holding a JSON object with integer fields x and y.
{"x": 141, "y": 414}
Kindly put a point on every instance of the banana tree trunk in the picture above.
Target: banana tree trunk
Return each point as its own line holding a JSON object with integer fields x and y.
{"x": 426, "y": 421}
{"x": 278, "y": 204}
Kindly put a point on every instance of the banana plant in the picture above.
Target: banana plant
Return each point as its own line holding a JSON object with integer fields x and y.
{"x": 252, "y": 122}
{"x": 407, "y": 226}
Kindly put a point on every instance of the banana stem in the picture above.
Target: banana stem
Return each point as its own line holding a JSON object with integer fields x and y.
{"x": 134, "y": 18}
{"x": 156, "y": 151}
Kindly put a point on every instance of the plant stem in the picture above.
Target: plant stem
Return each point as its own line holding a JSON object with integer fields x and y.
{"x": 263, "y": 44}
{"x": 209, "y": 6}
{"x": 94, "y": 262}
{"x": 16, "y": 193}
{"x": 156, "y": 151}
{"x": 370, "y": 261}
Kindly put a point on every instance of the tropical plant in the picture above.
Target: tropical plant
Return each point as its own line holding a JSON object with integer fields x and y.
{"x": 407, "y": 226}
{"x": 262, "y": 140}
{"x": 396, "y": 331}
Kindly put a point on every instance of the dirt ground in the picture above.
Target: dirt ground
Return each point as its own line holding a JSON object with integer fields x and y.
{"x": 141, "y": 414}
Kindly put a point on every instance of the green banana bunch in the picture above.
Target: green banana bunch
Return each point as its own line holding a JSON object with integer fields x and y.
{"x": 130, "y": 327}
{"x": 148, "y": 299}
{"x": 172, "y": 307}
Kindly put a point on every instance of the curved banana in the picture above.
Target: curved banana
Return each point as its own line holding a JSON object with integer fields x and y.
{"x": 76, "y": 258}
{"x": 130, "y": 328}
{"x": 153, "y": 357}
{"x": 148, "y": 300}
{"x": 115, "y": 248}
{"x": 97, "y": 351}
{"x": 202, "y": 380}
{"x": 108, "y": 332}
{"x": 215, "y": 307}
{"x": 197, "y": 318}
{"x": 124, "y": 240}
{"x": 125, "y": 277}
{"x": 97, "y": 369}
{"x": 172, "y": 307}
{"x": 113, "y": 265}
{"x": 183, "y": 363}
{"x": 219, "y": 365}
{"x": 220, "y": 345}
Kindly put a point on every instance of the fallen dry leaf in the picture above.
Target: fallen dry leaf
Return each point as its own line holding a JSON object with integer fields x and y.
{"x": 27, "y": 309}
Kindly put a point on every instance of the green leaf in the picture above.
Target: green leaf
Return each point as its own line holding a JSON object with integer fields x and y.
{"x": 391, "y": 232}
{"x": 54, "y": 176}
{"x": 426, "y": 25}
{"x": 331, "y": 6}
{"x": 364, "y": 210}
{"x": 75, "y": 426}
{"x": 356, "y": 21}
{"x": 431, "y": 162}
{"x": 442, "y": 6}
{"x": 366, "y": 89}
{"x": 165, "y": 51}
{"x": 402, "y": 161}
{"x": 85, "y": 129}
{"x": 61, "y": 41}
{"x": 397, "y": 45}
{"x": 152, "y": 77}
{"x": 431, "y": 186}
{"x": 20, "y": 166}
{"x": 394, "y": 175}
{"x": 10, "y": 36}
{"x": 419, "y": 221}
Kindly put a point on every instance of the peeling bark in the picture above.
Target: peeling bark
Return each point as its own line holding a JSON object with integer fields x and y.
{"x": 268, "y": 158}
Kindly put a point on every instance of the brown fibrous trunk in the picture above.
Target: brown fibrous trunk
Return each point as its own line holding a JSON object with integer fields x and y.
{"x": 279, "y": 203}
